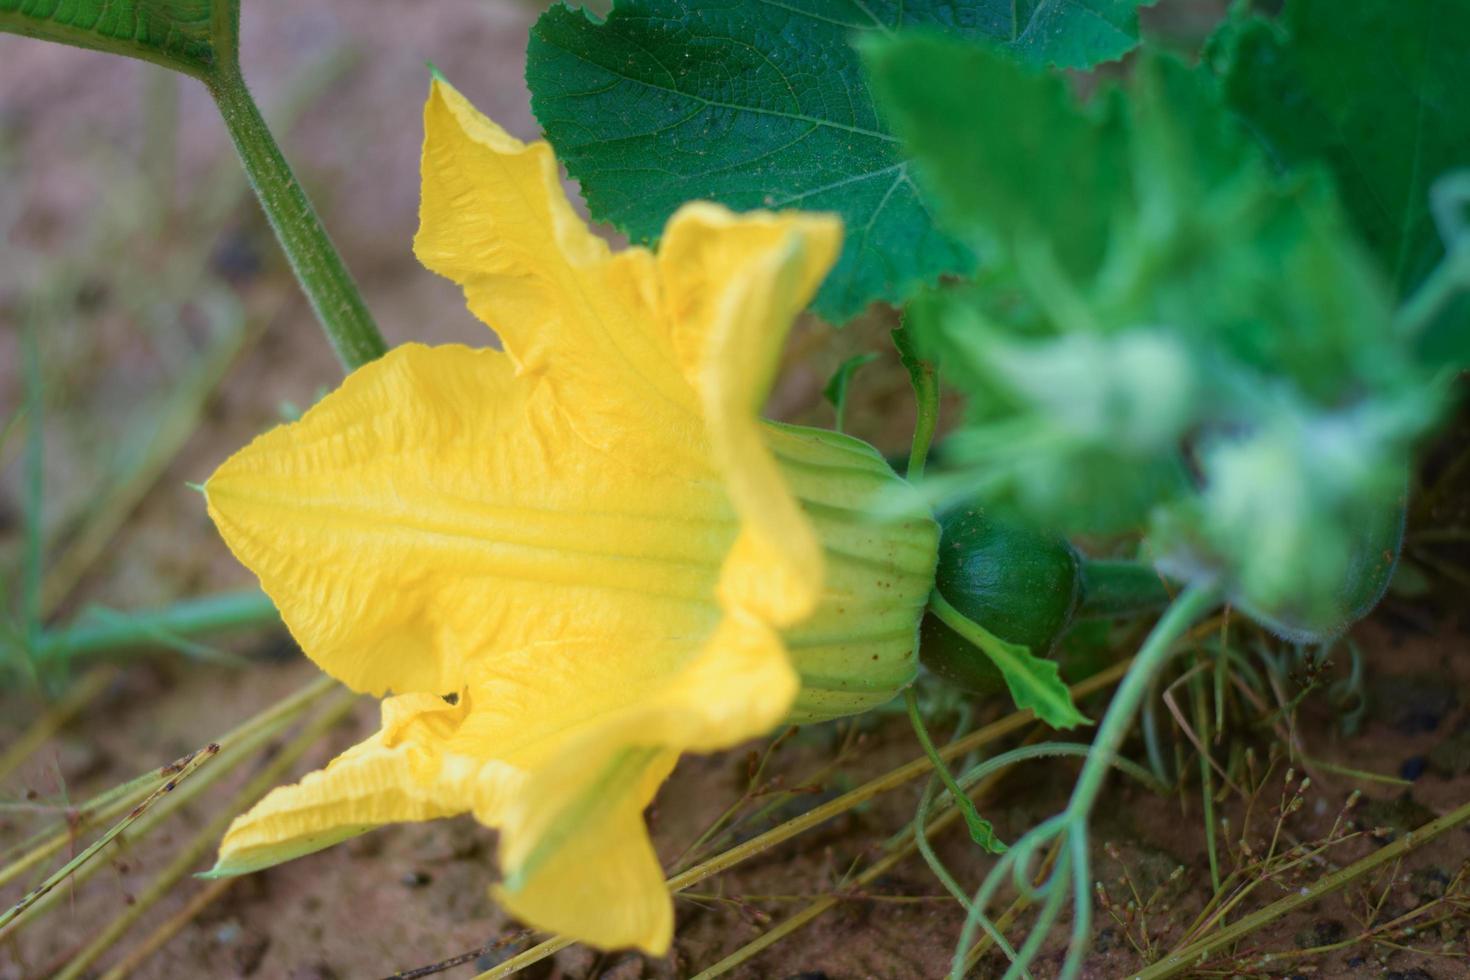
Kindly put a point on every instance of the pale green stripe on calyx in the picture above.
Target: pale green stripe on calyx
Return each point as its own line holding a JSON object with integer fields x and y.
{"x": 858, "y": 649}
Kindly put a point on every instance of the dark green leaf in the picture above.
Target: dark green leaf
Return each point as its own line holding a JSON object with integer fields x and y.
{"x": 1070, "y": 33}
{"x": 189, "y": 36}
{"x": 1376, "y": 90}
{"x": 763, "y": 105}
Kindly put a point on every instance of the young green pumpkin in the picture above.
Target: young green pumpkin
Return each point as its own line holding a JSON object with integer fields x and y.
{"x": 1024, "y": 586}
{"x": 1029, "y": 587}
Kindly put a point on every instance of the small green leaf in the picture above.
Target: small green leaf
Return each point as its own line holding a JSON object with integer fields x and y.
{"x": 1071, "y": 33}
{"x": 982, "y": 831}
{"x": 1034, "y": 682}
{"x": 1377, "y": 91}
{"x": 836, "y": 390}
{"x": 764, "y": 106}
{"x": 189, "y": 36}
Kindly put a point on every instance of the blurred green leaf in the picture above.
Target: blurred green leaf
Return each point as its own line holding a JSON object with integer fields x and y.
{"x": 1049, "y": 145}
{"x": 1376, "y": 89}
{"x": 1169, "y": 335}
{"x": 189, "y": 36}
{"x": 763, "y": 105}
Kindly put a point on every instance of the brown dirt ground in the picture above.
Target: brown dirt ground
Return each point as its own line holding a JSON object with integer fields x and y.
{"x": 70, "y": 125}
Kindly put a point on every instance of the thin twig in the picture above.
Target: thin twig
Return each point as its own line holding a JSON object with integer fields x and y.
{"x": 189, "y": 855}
{"x": 109, "y": 803}
{"x": 227, "y": 759}
{"x": 1183, "y": 960}
{"x": 66, "y": 870}
{"x": 416, "y": 973}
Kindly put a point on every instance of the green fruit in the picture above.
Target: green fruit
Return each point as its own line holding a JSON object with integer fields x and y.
{"x": 1371, "y": 564}
{"x": 1018, "y": 583}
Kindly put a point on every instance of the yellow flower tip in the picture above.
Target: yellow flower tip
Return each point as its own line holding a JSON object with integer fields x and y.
{"x": 445, "y": 98}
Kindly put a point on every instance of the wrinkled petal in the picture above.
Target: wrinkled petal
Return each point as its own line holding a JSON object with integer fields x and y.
{"x": 434, "y": 510}
{"x": 597, "y": 877}
{"x": 402, "y": 773}
{"x": 495, "y": 219}
{"x": 597, "y": 728}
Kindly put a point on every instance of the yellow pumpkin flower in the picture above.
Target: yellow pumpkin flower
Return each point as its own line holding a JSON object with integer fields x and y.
{"x": 571, "y": 561}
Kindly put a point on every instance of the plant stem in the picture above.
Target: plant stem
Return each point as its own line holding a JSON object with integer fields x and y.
{"x": 319, "y": 268}
{"x": 925, "y": 381}
{"x": 1156, "y": 650}
{"x": 1034, "y": 682}
{"x": 1120, "y": 589}
{"x": 981, "y": 831}
{"x": 1449, "y": 279}
{"x": 226, "y": 753}
{"x": 1206, "y": 774}
{"x": 191, "y": 617}
{"x": 35, "y": 895}
{"x": 1184, "y": 960}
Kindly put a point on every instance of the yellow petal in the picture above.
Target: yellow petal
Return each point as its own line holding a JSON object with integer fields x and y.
{"x": 596, "y": 728}
{"x": 437, "y": 509}
{"x": 401, "y": 773}
{"x": 734, "y": 285}
{"x": 599, "y": 879}
{"x": 494, "y": 219}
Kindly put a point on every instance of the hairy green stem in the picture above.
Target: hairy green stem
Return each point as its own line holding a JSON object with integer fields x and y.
{"x": 925, "y": 381}
{"x": 334, "y": 295}
{"x": 1190, "y": 606}
{"x": 1114, "y": 589}
{"x": 1195, "y": 602}
{"x": 981, "y": 831}
{"x": 1068, "y": 829}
